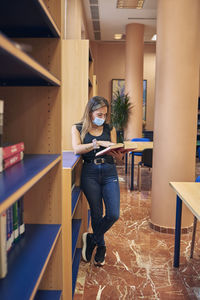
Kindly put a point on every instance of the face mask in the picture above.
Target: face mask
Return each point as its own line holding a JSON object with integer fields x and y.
{"x": 98, "y": 121}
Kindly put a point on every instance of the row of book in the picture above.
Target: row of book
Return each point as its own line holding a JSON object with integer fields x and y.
{"x": 10, "y": 154}
{"x": 11, "y": 229}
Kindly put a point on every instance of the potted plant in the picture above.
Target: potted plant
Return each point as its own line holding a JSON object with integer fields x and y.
{"x": 120, "y": 110}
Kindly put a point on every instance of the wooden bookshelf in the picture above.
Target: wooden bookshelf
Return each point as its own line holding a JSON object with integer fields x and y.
{"x": 75, "y": 61}
{"x": 16, "y": 181}
{"x": 30, "y": 87}
{"x": 74, "y": 220}
{"x": 92, "y": 80}
{"x": 19, "y": 69}
{"x": 28, "y": 259}
{"x": 29, "y": 19}
{"x": 48, "y": 295}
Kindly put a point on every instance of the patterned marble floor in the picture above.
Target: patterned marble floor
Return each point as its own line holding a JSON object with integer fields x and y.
{"x": 139, "y": 261}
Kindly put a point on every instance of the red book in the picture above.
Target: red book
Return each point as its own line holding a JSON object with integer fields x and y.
{"x": 122, "y": 147}
{"x": 12, "y": 160}
{"x": 12, "y": 149}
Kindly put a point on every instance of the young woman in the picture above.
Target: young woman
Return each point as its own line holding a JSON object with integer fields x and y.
{"x": 99, "y": 179}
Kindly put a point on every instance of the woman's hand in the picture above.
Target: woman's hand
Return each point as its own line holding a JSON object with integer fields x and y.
{"x": 118, "y": 155}
{"x": 104, "y": 143}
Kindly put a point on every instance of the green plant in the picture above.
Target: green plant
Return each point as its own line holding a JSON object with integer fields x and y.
{"x": 120, "y": 110}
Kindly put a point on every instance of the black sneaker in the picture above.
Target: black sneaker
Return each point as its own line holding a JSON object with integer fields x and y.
{"x": 88, "y": 246}
{"x": 99, "y": 259}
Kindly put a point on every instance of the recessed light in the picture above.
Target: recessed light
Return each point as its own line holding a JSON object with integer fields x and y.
{"x": 154, "y": 37}
{"x": 118, "y": 36}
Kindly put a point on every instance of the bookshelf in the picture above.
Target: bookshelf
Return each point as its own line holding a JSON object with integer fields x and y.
{"x": 74, "y": 220}
{"x": 92, "y": 80}
{"x": 91, "y": 72}
{"x": 37, "y": 20}
{"x": 18, "y": 68}
{"x": 30, "y": 86}
{"x": 75, "y": 61}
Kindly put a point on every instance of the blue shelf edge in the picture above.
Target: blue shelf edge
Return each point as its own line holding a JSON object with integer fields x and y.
{"x": 75, "y": 268}
{"x": 76, "y": 225}
{"x": 69, "y": 159}
{"x": 15, "y": 177}
{"x": 75, "y": 195}
{"x": 48, "y": 295}
{"x": 27, "y": 259}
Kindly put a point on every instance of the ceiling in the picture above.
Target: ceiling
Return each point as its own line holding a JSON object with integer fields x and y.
{"x": 104, "y": 19}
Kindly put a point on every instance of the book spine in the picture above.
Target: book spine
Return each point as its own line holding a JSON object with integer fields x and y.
{"x": 1, "y": 122}
{"x": 21, "y": 215}
{"x": 10, "y": 161}
{"x": 3, "y": 249}
{"x": 15, "y": 222}
{"x": 13, "y": 149}
{"x": 9, "y": 221}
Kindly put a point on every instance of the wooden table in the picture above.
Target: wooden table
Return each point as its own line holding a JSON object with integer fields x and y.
{"x": 140, "y": 146}
{"x": 189, "y": 193}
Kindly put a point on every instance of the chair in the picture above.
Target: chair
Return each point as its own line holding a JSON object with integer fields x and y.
{"x": 147, "y": 158}
{"x": 194, "y": 228}
{"x": 148, "y": 134}
{"x": 135, "y": 153}
{"x": 132, "y": 161}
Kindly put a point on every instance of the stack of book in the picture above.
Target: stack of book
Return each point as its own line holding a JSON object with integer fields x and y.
{"x": 10, "y": 155}
{"x": 11, "y": 229}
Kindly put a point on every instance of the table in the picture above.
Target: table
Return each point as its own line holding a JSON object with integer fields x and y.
{"x": 189, "y": 193}
{"x": 140, "y": 146}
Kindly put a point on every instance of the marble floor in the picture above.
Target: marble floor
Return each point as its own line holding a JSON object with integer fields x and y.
{"x": 139, "y": 261}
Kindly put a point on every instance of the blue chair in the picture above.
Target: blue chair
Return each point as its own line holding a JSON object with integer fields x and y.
{"x": 132, "y": 160}
{"x": 146, "y": 161}
{"x": 194, "y": 228}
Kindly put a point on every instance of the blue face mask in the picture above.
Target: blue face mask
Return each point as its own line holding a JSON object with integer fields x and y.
{"x": 98, "y": 121}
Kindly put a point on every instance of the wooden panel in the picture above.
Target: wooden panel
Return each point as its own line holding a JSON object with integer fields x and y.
{"x": 74, "y": 85}
{"x": 41, "y": 203}
{"x": 73, "y": 19}
{"x": 91, "y": 71}
{"x": 53, "y": 273}
{"x": 95, "y": 87}
{"x": 66, "y": 234}
{"x": 54, "y": 7}
{"x": 31, "y": 115}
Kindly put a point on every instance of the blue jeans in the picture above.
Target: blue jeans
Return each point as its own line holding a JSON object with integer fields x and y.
{"x": 100, "y": 183}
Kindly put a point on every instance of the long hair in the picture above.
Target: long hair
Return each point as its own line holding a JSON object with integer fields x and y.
{"x": 93, "y": 104}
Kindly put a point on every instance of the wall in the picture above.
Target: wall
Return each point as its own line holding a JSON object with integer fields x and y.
{"x": 149, "y": 74}
{"x": 110, "y": 64}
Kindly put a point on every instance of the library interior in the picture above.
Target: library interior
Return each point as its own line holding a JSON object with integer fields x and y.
{"x": 82, "y": 76}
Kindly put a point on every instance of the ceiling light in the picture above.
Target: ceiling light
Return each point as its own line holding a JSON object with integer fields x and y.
{"x": 118, "y": 36}
{"x": 154, "y": 37}
{"x": 137, "y": 4}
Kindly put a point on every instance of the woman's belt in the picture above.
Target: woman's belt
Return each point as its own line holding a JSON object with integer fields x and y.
{"x": 99, "y": 161}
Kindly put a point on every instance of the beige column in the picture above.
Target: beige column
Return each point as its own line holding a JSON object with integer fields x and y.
{"x": 177, "y": 87}
{"x": 134, "y": 77}
{"x": 73, "y": 19}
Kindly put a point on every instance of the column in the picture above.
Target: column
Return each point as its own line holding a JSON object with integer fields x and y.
{"x": 134, "y": 77}
{"x": 73, "y": 19}
{"x": 175, "y": 124}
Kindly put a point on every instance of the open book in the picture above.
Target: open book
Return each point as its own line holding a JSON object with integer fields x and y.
{"x": 123, "y": 147}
